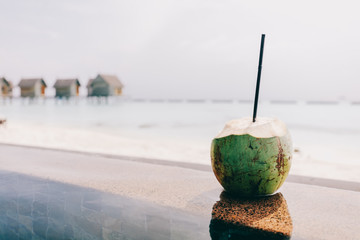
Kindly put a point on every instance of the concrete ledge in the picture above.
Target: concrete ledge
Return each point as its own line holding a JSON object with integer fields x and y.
{"x": 178, "y": 199}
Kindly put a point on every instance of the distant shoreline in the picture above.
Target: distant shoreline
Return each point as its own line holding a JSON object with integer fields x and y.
{"x": 186, "y": 100}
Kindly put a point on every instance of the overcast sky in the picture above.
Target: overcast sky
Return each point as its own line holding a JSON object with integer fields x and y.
{"x": 188, "y": 48}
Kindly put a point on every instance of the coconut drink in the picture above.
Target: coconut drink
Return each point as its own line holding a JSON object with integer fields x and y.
{"x": 252, "y": 156}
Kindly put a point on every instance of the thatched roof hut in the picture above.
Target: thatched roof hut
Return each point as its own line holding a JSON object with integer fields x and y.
{"x": 105, "y": 85}
{"x": 32, "y": 87}
{"x": 6, "y": 87}
{"x": 67, "y": 87}
{"x": 88, "y": 86}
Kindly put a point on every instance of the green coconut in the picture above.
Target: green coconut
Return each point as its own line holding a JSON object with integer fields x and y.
{"x": 252, "y": 159}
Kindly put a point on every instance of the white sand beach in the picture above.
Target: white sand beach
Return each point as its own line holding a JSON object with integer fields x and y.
{"x": 170, "y": 148}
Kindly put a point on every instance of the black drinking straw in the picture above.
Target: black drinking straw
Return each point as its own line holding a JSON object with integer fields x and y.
{"x": 258, "y": 76}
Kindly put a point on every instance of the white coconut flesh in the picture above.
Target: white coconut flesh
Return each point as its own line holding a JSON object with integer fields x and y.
{"x": 261, "y": 128}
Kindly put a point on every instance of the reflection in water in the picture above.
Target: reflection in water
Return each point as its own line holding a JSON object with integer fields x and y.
{"x": 33, "y": 208}
{"x": 256, "y": 218}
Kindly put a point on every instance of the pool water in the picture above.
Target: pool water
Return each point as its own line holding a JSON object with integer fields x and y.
{"x": 35, "y": 208}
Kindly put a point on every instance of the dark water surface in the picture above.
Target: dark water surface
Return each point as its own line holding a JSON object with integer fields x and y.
{"x": 34, "y": 208}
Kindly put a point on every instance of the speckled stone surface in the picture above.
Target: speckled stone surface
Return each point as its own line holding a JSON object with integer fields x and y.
{"x": 261, "y": 218}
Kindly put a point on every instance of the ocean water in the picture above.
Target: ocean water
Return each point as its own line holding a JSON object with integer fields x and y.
{"x": 323, "y": 131}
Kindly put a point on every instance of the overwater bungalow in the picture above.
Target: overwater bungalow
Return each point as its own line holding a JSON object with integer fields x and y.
{"x": 104, "y": 85}
{"x": 67, "y": 88}
{"x": 89, "y": 88}
{"x": 6, "y": 87}
{"x": 34, "y": 87}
